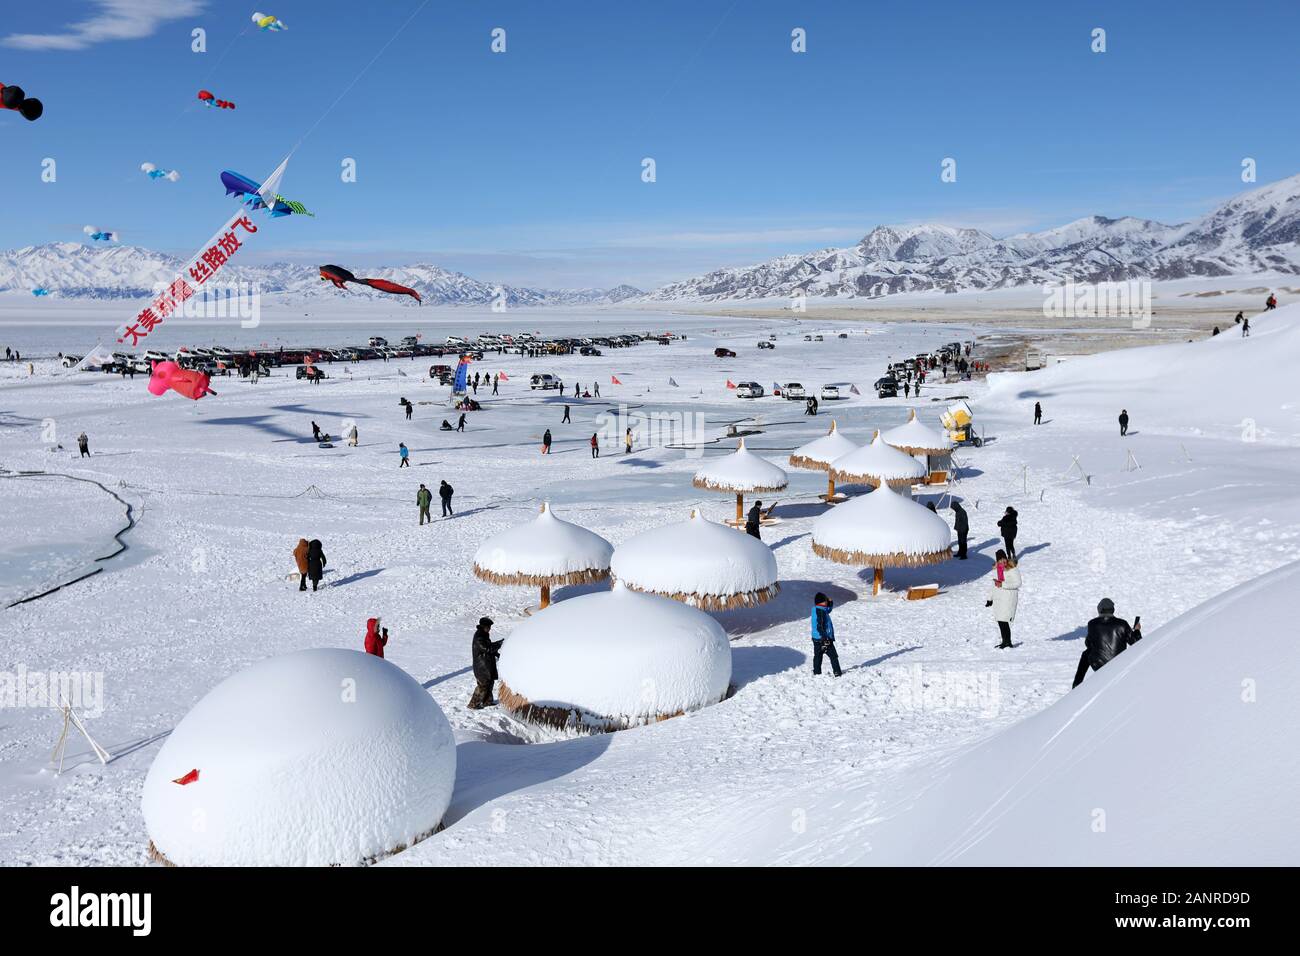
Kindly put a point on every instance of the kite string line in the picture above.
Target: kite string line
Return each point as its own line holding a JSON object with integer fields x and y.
{"x": 347, "y": 89}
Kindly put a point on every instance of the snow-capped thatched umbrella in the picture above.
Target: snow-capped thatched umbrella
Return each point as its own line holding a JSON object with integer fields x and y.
{"x": 818, "y": 454}
{"x": 740, "y": 473}
{"x": 700, "y": 563}
{"x": 612, "y": 660}
{"x": 882, "y": 529}
{"x": 922, "y": 441}
{"x": 274, "y": 762}
{"x": 546, "y": 552}
{"x": 877, "y": 462}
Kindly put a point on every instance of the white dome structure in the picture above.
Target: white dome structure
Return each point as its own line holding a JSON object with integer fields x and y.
{"x": 612, "y": 660}
{"x": 917, "y": 439}
{"x": 700, "y": 563}
{"x": 877, "y": 462}
{"x": 818, "y": 454}
{"x": 882, "y": 529}
{"x": 545, "y": 552}
{"x": 742, "y": 472}
{"x": 312, "y": 758}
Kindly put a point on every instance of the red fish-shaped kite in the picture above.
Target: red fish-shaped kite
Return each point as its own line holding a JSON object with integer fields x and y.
{"x": 187, "y": 382}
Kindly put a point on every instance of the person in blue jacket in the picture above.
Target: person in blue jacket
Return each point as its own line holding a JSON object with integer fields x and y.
{"x": 823, "y": 634}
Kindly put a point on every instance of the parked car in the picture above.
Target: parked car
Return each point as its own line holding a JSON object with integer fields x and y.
{"x": 70, "y": 360}
{"x": 310, "y": 371}
{"x": 765, "y": 344}
{"x": 818, "y": 338}
{"x": 792, "y": 390}
{"x": 545, "y": 381}
{"x": 844, "y": 335}
{"x": 830, "y": 393}
{"x": 377, "y": 342}
{"x": 749, "y": 390}
{"x": 886, "y": 387}
{"x": 589, "y": 350}
{"x": 720, "y": 352}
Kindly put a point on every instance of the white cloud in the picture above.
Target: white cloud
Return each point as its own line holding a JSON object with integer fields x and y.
{"x": 117, "y": 20}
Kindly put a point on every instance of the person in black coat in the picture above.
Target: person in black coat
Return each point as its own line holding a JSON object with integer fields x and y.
{"x": 1123, "y": 422}
{"x": 961, "y": 525}
{"x": 445, "y": 491}
{"x": 1107, "y": 636}
{"x": 1007, "y": 524}
{"x": 1038, "y": 413}
{"x": 753, "y": 518}
{"x": 484, "y": 652}
{"x": 315, "y": 562}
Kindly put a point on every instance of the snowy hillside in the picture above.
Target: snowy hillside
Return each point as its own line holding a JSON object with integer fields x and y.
{"x": 74, "y": 270}
{"x": 1187, "y": 388}
{"x": 1254, "y": 232}
{"x": 1178, "y": 752}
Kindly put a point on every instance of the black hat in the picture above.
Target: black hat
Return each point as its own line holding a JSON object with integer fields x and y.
{"x": 820, "y": 598}
{"x": 485, "y": 622}
{"x": 1105, "y": 606}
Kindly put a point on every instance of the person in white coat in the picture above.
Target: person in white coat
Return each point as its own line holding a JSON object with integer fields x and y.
{"x": 1005, "y": 596}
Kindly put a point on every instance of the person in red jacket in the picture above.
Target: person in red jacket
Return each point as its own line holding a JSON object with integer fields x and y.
{"x": 376, "y": 637}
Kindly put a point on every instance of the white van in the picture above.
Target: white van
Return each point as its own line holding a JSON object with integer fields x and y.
{"x": 749, "y": 390}
{"x": 545, "y": 380}
{"x": 792, "y": 390}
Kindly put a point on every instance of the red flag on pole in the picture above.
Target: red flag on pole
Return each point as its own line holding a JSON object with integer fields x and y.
{"x": 730, "y": 384}
{"x": 613, "y": 380}
{"x": 188, "y": 778}
{"x": 503, "y": 376}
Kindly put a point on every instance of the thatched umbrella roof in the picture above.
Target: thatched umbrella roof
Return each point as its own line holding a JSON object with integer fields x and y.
{"x": 882, "y": 529}
{"x": 742, "y": 473}
{"x": 614, "y": 659}
{"x": 545, "y": 552}
{"x": 818, "y": 454}
{"x": 877, "y": 462}
{"x": 917, "y": 439}
{"x": 700, "y": 563}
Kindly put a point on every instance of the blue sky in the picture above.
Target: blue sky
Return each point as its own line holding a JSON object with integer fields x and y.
{"x": 525, "y": 167}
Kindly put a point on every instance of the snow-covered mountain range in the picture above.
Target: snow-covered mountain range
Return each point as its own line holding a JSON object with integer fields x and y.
{"x": 74, "y": 270}
{"x": 1257, "y": 231}
{"x": 1251, "y": 233}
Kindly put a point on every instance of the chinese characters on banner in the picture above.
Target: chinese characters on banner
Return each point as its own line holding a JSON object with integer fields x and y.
{"x": 206, "y": 264}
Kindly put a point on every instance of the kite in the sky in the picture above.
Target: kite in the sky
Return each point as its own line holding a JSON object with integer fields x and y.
{"x": 265, "y": 22}
{"x": 13, "y": 98}
{"x": 100, "y": 235}
{"x": 185, "y": 382}
{"x": 153, "y": 172}
{"x": 338, "y": 275}
{"x": 237, "y": 185}
{"x": 210, "y": 100}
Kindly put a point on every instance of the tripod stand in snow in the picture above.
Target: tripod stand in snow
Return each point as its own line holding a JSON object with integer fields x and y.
{"x": 1131, "y": 463}
{"x": 70, "y": 719}
{"x": 1074, "y": 464}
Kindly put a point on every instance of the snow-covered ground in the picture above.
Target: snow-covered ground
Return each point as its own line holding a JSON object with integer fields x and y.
{"x": 790, "y": 767}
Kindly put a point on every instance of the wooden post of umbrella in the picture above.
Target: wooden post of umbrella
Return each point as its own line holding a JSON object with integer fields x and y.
{"x": 877, "y": 579}
{"x": 830, "y": 488}
{"x": 546, "y": 597}
{"x": 740, "y": 506}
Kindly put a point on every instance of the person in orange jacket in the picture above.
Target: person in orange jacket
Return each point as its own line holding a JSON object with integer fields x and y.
{"x": 376, "y": 637}
{"x": 300, "y": 559}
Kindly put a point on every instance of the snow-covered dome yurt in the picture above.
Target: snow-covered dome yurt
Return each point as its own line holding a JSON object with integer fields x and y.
{"x": 882, "y": 529}
{"x": 933, "y": 449}
{"x": 312, "y": 758}
{"x": 741, "y": 473}
{"x": 818, "y": 454}
{"x": 698, "y": 562}
{"x": 877, "y": 462}
{"x": 612, "y": 660}
{"x": 544, "y": 553}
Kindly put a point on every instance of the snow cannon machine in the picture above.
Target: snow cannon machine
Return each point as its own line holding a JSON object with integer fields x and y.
{"x": 958, "y": 423}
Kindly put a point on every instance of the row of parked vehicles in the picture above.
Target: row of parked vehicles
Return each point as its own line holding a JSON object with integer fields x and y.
{"x": 791, "y": 391}
{"x": 888, "y": 385}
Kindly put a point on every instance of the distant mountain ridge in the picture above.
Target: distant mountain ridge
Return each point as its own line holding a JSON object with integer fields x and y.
{"x": 77, "y": 271}
{"x": 1255, "y": 232}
